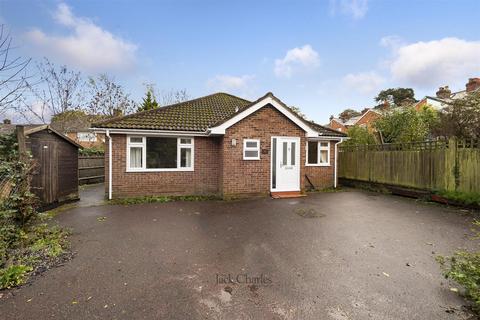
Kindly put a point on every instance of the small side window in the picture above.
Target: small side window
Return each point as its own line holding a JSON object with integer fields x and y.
{"x": 251, "y": 149}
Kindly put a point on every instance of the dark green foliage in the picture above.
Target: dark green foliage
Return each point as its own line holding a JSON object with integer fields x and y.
{"x": 149, "y": 102}
{"x": 25, "y": 244}
{"x": 399, "y": 96}
{"x": 464, "y": 268}
{"x": 467, "y": 198}
{"x": 406, "y": 124}
{"x": 93, "y": 151}
{"x": 359, "y": 136}
{"x": 461, "y": 119}
{"x": 348, "y": 113}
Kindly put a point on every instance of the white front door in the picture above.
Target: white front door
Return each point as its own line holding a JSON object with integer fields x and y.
{"x": 285, "y": 164}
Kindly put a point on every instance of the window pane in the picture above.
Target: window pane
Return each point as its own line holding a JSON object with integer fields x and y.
{"x": 251, "y": 144}
{"x": 251, "y": 153}
{"x": 185, "y": 157}
{"x": 274, "y": 163}
{"x": 161, "y": 152}
{"x": 284, "y": 153}
{"x": 185, "y": 141}
{"x": 293, "y": 154}
{"x": 135, "y": 157}
{"x": 324, "y": 144}
{"x": 323, "y": 156}
{"x": 312, "y": 152}
{"x": 136, "y": 139}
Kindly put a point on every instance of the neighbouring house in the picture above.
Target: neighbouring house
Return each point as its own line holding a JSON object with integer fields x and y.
{"x": 366, "y": 120}
{"x": 76, "y": 125}
{"x": 55, "y": 175}
{"x": 218, "y": 144}
{"x": 444, "y": 96}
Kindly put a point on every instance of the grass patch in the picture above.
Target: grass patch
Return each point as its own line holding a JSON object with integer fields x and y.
{"x": 466, "y": 198}
{"x": 160, "y": 199}
{"x": 29, "y": 251}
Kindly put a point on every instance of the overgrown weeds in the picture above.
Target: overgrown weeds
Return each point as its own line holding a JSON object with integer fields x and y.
{"x": 464, "y": 268}
{"x": 160, "y": 199}
{"x": 29, "y": 243}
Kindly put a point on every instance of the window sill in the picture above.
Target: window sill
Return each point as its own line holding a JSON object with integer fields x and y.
{"x": 317, "y": 165}
{"x": 248, "y": 159}
{"x": 160, "y": 170}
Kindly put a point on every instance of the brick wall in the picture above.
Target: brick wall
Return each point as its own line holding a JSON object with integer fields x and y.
{"x": 368, "y": 119}
{"x": 322, "y": 177}
{"x": 203, "y": 180}
{"x": 252, "y": 177}
{"x": 337, "y": 126}
{"x": 219, "y": 166}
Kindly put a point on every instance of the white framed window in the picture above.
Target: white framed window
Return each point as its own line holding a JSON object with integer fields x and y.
{"x": 86, "y": 136}
{"x": 251, "y": 149}
{"x": 159, "y": 153}
{"x": 318, "y": 153}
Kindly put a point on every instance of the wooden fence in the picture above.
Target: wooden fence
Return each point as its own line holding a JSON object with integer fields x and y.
{"x": 433, "y": 165}
{"x": 91, "y": 169}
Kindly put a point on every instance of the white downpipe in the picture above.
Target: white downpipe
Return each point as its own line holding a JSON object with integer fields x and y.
{"x": 109, "y": 165}
{"x": 335, "y": 178}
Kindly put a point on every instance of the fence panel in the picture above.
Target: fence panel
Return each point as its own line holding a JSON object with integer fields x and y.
{"x": 433, "y": 165}
{"x": 91, "y": 169}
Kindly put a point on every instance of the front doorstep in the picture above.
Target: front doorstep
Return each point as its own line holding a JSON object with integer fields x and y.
{"x": 287, "y": 194}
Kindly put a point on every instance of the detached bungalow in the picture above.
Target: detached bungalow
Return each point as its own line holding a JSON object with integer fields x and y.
{"x": 218, "y": 144}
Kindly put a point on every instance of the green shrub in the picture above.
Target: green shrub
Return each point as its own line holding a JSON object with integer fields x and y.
{"x": 13, "y": 276}
{"x": 93, "y": 151}
{"x": 464, "y": 268}
{"x": 468, "y": 198}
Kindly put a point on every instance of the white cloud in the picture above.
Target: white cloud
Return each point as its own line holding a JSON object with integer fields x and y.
{"x": 357, "y": 9}
{"x": 88, "y": 46}
{"x": 230, "y": 83}
{"x": 297, "y": 59}
{"x": 364, "y": 82}
{"x": 437, "y": 62}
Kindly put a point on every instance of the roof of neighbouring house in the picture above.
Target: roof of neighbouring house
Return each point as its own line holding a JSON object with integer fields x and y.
{"x": 353, "y": 120}
{"x": 197, "y": 115}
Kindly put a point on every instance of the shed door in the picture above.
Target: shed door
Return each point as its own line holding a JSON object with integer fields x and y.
{"x": 45, "y": 179}
{"x": 286, "y": 164}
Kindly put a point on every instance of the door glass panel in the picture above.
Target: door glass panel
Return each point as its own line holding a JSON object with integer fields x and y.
{"x": 292, "y": 159}
{"x": 274, "y": 163}
{"x": 285, "y": 153}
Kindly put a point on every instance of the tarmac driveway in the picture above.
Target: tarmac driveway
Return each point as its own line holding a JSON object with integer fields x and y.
{"x": 344, "y": 255}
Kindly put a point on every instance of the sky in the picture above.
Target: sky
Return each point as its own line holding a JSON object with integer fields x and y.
{"x": 321, "y": 56}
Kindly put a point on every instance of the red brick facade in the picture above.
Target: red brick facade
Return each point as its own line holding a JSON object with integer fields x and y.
{"x": 219, "y": 167}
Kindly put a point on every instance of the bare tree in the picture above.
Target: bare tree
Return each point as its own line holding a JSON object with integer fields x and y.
{"x": 167, "y": 97}
{"x": 13, "y": 78}
{"x": 57, "y": 90}
{"x": 108, "y": 97}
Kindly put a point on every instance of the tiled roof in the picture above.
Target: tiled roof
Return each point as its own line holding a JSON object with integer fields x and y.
{"x": 325, "y": 131}
{"x": 194, "y": 115}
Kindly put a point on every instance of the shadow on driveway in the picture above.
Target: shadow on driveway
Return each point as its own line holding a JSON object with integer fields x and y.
{"x": 344, "y": 255}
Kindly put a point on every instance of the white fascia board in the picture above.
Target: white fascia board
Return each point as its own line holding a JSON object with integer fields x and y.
{"x": 321, "y": 138}
{"x": 267, "y": 100}
{"x": 146, "y": 132}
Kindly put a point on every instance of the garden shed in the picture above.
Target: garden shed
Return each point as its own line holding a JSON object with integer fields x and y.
{"x": 55, "y": 173}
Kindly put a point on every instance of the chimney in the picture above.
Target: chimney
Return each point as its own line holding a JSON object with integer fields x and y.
{"x": 444, "y": 92}
{"x": 473, "y": 84}
{"x": 7, "y": 121}
{"x": 117, "y": 112}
